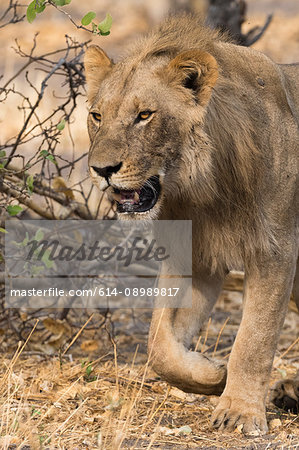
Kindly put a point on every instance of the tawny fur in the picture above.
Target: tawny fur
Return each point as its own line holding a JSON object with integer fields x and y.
{"x": 233, "y": 215}
{"x": 223, "y": 137}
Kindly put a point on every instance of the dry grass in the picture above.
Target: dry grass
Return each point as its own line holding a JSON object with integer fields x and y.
{"x": 106, "y": 396}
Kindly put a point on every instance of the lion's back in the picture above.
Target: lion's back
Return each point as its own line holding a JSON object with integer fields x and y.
{"x": 291, "y": 76}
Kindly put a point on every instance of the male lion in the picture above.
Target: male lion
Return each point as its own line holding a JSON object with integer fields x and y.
{"x": 191, "y": 126}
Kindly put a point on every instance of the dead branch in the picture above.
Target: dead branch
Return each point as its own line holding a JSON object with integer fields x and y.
{"x": 12, "y": 10}
{"x": 257, "y": 32}
{"x": 22, "y": 198}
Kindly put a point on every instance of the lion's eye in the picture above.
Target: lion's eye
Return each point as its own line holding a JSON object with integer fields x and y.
{"x": 97, "y": 116}
{"x": 144, "y": 115}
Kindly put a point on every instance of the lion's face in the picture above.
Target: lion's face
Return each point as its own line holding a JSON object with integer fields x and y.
{"x": 139, "y": 122}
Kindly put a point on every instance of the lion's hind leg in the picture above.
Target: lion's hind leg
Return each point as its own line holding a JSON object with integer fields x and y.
{"x": 285, "y": 394}
{"x": 171, "y": 334}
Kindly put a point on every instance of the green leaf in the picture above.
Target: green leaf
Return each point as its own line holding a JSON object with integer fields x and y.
{"x": 36, "y": 270}
{"x": 29, "y": 183}
{"x": 40, "y": 6}
{"x": 25, "y": 241}
{"x": 13, "y": 210}
{"x": 105, "y": 25}
{"x": 35, "y": 412}
{"x": 2, "y": 230}
{"x": 34, "y": 8}
{"x": 45, "y": 259}
{"x": 185, "y": 429}
{"x": 39, "y": 235}
{"x": 51, "y": 158}
{"x": 94, "y": 28}
{"x": 31, "y": 12}
{"x": 2, "y": 153}
{"x": 45, "y": 154}
{"x": 61, "y": 2}
{"x": 89, "y": 369}
{"x": 282, "y": 372}
{"x": 61, "y": 125}
{"x": 88, "y": 18}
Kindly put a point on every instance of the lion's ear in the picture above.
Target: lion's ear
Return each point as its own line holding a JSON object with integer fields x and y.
{"x": 195, "y": 70}
{"x": 97, "y": 66}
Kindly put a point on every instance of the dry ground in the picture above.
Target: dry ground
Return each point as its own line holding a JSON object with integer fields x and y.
{"x": 101, "y": 393}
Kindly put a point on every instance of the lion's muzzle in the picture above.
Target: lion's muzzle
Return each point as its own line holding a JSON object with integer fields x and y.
{"x": 139, "y": 200}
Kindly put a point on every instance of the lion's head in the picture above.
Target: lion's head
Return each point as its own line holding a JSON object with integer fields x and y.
{"x": 143, "y": 112}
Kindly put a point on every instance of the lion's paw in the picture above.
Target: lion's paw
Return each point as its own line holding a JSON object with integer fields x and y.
{"x": 232, "y": 412}
{"x": 285, "y": 395}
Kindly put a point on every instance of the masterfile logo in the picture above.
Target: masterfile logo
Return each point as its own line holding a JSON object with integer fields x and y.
{"x": 96, "y": 263}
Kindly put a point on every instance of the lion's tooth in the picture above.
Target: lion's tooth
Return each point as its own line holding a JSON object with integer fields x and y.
{"x": 136, "y": 197}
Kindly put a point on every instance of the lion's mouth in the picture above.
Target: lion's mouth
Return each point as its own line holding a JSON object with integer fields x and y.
{"x": 139, "y": 200}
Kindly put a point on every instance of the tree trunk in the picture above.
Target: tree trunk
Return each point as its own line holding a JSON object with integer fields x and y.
{"x": 229, "y": 15}
{"x": 226, "y": 15}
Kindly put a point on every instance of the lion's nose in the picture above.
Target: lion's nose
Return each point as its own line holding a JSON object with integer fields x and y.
{"x": 107, "y": 171}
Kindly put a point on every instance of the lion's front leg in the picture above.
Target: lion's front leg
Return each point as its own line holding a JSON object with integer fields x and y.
{"x": 267, "y": 291}
{"x": 171, "y": 334}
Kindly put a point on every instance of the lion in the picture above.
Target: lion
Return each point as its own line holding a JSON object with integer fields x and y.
{"x": 285, "y": 394}
{"x": 189, "y": 125}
